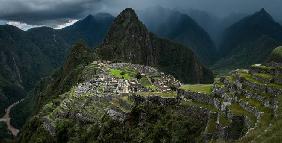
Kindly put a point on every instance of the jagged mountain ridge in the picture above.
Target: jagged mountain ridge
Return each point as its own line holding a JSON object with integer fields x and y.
{"x": 129, "y": 40}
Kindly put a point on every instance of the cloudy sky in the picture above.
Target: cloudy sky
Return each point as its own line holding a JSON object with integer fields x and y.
{"x": 59, "y": 13}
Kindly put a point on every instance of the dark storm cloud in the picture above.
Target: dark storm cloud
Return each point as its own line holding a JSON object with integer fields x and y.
{"x": 39, "y": 11}
{"x": 49, "y": 11}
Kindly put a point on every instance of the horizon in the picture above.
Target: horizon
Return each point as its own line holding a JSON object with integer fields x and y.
{"x": 68, "y": 22}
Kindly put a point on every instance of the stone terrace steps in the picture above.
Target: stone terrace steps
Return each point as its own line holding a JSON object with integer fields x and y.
{"x": 255, "y": 100}
{"x": 217, "y": 120}
{"x": 266, "y": 70}
{"x": 237, "y": 110}
{"x": 122, "y": 104}
{"x": 249, "y": 107}
{"x": 252, "y": 98}
{"x": 271, "y": 133}
{"x": 260, "y": 87}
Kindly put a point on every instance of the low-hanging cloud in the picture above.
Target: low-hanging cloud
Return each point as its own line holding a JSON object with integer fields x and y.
{"x": 40, "y": 12}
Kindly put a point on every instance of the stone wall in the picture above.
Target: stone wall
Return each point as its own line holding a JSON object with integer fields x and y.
{"x": 262, "y": 88}
{"x": 199, "y": 97}
{"x": 158, "y": 100}
{"x": 249, "y": 108}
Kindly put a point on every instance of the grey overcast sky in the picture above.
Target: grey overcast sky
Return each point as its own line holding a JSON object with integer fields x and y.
{"x": 54, "y": 12}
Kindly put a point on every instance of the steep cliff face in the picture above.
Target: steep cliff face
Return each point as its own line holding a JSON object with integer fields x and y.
{"x": 129, "y": 41}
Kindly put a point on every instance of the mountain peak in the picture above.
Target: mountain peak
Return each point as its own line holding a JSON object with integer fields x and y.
{"x": 128, "y": 25}
{"x": 127, "y": 29}
{"x": 88, "y": 18}
{"x": 263, "y": 10}
{"x": 128, "y": 13}
{"x": 263, "y": 14}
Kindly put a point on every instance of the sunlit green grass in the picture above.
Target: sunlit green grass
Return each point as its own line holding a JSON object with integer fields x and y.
{"x": 120, "y": 74}
{"x": 202, "y": 88}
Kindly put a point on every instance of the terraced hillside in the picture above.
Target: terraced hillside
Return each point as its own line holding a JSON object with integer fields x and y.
{"x": 244, "y": 106}
{"x": 119, "y": 102}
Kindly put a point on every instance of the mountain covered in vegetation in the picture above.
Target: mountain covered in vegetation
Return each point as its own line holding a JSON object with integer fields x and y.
{"x": 27, "y": 56}
{"x": 249, "y": 41}
{"x": 129, "y": 40}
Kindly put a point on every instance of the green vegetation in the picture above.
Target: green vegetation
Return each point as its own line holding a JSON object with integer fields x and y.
{"x": 202, "y": 88}
{"x": 10, "y": 94}
{"x": 248, "y": 46}
{"x": 276, "y": 55}
{"x": 162, "y": 94}
{"x": 263, "y": 76}
{"x": 169, "y": 57}
{"x": 120, "y": 74}
{"x": 238, "y": 110}
{"x": 199, "y": 104}
{"x": 80, "y": 114}
{"x": 224, "y": 121}
{"x": 211, "y": 125}
{"x": 251, "y": 79}
{"x": 4, "y": 132}
{"x": 266, "y": 133}
{"x": 21, "y": 112}
{"x": 125, "y": 73}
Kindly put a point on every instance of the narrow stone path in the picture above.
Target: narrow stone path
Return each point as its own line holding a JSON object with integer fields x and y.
{"x": 7, "y": 119}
